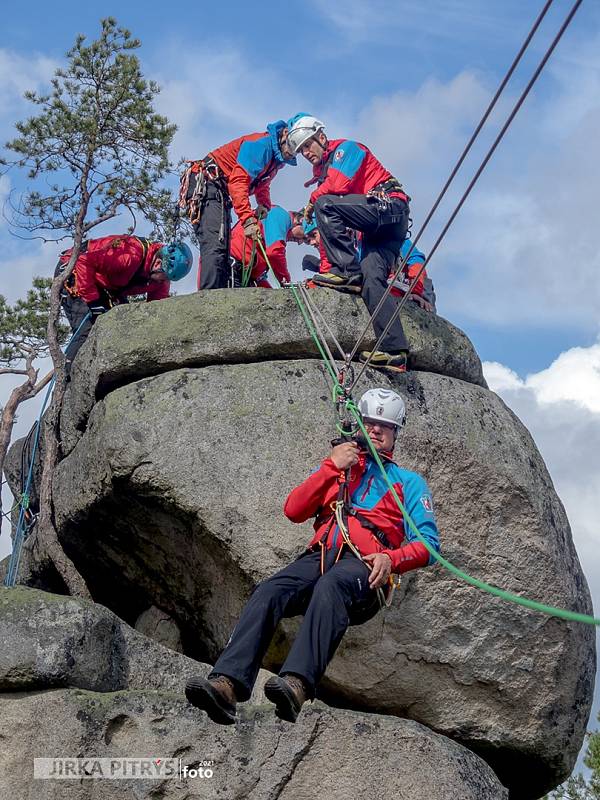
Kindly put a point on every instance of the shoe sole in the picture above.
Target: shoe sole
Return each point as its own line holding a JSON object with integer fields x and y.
{"x": 345, "y": 289}
{"x": 283, "y": 698}
{"x": 206, "y": 698}
{"x": 401, "y": 370}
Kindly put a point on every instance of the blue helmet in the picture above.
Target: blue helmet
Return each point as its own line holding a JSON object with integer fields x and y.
{"x": 309, "y": 227}
{"x": 176, "y": 260}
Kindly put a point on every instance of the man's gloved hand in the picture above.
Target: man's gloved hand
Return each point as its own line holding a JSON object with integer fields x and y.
{"x": 251, "y": 228}
{"x": 309, "y": 212}
{"x": 96, "y": 308}
{"x": 261, "y": 211}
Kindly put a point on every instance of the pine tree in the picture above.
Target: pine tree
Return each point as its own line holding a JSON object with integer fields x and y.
{"x": 98, "y": 148}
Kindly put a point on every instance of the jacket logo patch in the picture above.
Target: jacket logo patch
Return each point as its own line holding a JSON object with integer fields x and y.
{"x": 426, "y": 503}
{"x": 339, "y": 154}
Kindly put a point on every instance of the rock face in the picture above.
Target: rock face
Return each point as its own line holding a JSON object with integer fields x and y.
{"x": 55, "y": 641}
{"x": 181, "y": 507}
{"x": 328, "y": 753}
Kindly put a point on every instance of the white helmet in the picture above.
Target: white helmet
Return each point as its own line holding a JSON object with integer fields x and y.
{"x": 300, "y": 129}
{"x": 384, "y": 405}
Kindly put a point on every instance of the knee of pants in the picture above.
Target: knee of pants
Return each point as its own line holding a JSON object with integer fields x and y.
{"x": 325, "y": 205}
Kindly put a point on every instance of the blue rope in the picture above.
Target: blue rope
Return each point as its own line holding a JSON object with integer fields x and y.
{"x": 22, "y": 529}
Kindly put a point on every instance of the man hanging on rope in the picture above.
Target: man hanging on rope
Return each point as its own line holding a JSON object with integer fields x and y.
{"x": 277, "y": 229}
{"x": 112, "y": 268}
{"x": 358, "y": 542}
{"x": 355, "y": 191}
{"x": 226, "y": 178}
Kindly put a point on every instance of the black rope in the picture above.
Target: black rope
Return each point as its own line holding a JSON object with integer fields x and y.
{"x": 455, "y": 169}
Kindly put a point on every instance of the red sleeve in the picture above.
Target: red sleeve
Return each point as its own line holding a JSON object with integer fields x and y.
{"x": 239, "y": 191}
{"x": 409, "y": 556}
{"x": 335, "y": 183}
{"x": 278, "y": 261}
{"x": 305, "y": 500}
{"x": 263, "y": 193}
{"x": 158, "y": 290}
{"x": 85, "y": 273}
{"x": 420, "y": 284}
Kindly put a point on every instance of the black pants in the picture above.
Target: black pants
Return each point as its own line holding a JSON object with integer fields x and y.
{"x": 384, "y": 229}
{"x": 76, "y": 311}
{"x": 325, "y": 600}
{"x": 310, "y": 263}
{"x": 213, "y": 232}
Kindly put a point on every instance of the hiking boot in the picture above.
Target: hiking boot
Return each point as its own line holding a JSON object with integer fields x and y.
{"x": 345, "y": 283}
{"x": 215, "y": 695}
{"x": 289, "y": 693}
{"x": 380, "y": 360}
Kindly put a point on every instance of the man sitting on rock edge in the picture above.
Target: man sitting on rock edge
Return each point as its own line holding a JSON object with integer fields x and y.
{"x": 329, "y": 584}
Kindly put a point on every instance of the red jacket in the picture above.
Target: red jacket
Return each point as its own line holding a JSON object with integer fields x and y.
{"x": 116, "y": 264}
{"x": 274, "y": 231}
{"x": 349, "y": 167}
{"x": 371, "y": 497}
{"x": 249, "y": 164}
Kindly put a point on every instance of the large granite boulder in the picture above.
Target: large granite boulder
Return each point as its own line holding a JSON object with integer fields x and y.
{"x": 328, "y": 753}
{"x": 186, "y": 471}
{"x": 129, "y": 703}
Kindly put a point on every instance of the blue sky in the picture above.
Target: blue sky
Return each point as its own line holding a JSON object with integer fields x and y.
{"x": 519, "y": 270}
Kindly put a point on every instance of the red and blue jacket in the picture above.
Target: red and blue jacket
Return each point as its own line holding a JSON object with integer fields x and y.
{"x": 120, "y": 265}
{"x": 349, "y": 167}
{"x": 371, "y": 497}
{"x": 249, "y": 164}
{"x": 275, "y": 229}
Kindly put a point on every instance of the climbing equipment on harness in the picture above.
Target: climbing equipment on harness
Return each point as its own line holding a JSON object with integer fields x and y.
{"x": 193, "y": 190}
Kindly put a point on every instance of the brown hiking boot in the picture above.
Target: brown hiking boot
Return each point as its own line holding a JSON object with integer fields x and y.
{"x": 289, "y": 693}
{"x": 214, "y": 695}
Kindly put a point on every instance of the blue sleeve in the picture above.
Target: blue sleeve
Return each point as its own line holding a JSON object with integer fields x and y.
{"x": 276, "y": 224}
{"x": 347, "y": 158}
{"x": 419, "y": 505}
{"x": 254, "y": 156}
{"x": 416, "y": 257}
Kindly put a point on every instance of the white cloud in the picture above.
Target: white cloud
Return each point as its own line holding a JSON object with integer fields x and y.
{"x": 19, "y": 74}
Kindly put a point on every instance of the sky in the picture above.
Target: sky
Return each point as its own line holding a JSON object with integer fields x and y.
{"x": 518, "y": 271}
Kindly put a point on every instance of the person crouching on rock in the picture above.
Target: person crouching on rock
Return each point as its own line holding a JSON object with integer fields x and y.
{"x": 356, "y": 191}
{"x": 338, "y": 580}
{"x": 277, "y": 229}
{"x": 109, "y": 270}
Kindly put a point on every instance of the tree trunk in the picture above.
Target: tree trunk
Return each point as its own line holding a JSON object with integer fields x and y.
{"x": 46, "y": 538}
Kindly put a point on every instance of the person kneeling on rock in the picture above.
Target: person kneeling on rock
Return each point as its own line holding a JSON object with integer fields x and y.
{"x": 338, "y": 580}
{"x": 111, "y": 269}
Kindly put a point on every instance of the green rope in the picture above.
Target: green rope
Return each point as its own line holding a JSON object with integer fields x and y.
{"x": 562, "y": 613}
{"x": 266, "y": 257}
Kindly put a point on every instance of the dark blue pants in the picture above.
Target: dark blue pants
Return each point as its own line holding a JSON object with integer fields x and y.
{"x": 213, "y": 232}
{"x": 384, "y": 230}
{"x": 326, "y": 602}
